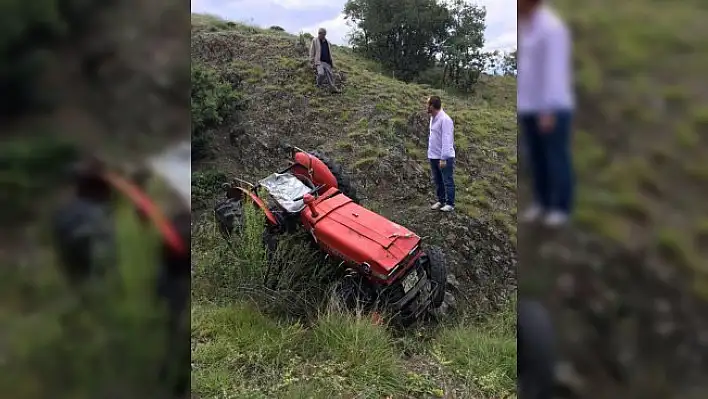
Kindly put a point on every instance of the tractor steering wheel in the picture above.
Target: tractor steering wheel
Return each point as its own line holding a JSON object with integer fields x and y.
{"x": 313, "y": 191}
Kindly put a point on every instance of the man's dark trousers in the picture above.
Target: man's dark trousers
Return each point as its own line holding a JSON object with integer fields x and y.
{"x": 549, "y": 156}
{"x": 444, "y": 181}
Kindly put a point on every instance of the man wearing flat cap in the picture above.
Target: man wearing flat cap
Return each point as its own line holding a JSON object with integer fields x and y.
{"x": 321, "y": 57}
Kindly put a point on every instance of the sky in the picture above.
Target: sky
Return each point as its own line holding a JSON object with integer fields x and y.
{"x": 308, "y": 15}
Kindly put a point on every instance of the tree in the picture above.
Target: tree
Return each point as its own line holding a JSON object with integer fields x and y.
{"x": 509, "y": 65}
{"x": 462, "y": 57}
{"x": 431, "y": 41}
{"x": 404, "y": 36}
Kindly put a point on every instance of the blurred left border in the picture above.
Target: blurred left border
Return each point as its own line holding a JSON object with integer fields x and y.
{"x": 95, "y": 168}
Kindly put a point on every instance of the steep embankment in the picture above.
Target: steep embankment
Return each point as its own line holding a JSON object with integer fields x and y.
{"x": 377, "y": 128}
{"x": 627, "y": 282}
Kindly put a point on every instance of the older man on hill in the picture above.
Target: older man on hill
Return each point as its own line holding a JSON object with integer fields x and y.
{"x": 321, "y": 57}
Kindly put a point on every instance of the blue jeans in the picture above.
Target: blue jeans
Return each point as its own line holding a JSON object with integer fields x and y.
{"x": 550, "y": 159}
{"x": 444, "y": 181}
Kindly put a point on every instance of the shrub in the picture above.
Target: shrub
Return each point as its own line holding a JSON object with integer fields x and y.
{"x": 277, "y": 28}
{"x": 205, "y": 185}
{"x": 224, "y": 272}
{"x": 213, "y": 100}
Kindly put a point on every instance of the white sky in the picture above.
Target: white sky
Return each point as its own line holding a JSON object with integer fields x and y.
{"x": 309, "y": 15}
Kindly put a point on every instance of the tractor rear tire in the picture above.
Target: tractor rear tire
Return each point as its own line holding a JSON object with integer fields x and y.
{"x": 229, "y": 217}
{"x": 343, "y": 181}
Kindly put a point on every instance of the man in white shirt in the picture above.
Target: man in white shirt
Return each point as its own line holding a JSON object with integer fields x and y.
{"x": 545, "y": 107}
{"x": 441, "y": 153}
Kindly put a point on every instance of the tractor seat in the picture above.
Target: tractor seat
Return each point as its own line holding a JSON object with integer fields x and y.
{"x": 284, "y": 187}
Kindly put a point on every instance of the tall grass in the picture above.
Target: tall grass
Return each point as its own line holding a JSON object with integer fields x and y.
{"x": 106, "y": 341}
{"x": 298, "y": 276}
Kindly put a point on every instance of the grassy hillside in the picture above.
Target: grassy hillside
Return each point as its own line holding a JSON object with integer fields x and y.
{"x": 628, "y": 282}
{"x": 292, "y": 342}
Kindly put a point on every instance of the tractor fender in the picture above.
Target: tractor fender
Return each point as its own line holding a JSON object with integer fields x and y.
{"x": 313, "y": 169}
{"x": 259, "y": 202}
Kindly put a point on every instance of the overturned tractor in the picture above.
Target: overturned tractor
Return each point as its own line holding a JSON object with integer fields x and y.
{"x": 384, "y": 265}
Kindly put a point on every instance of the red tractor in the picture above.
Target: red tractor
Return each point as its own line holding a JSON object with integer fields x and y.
{"x": 383, "y": 263}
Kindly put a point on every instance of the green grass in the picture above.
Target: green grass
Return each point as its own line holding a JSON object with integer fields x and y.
{"x": 55, "y": 345}
{"x": 240, "y": 352}
{"x": 640, "y": 149}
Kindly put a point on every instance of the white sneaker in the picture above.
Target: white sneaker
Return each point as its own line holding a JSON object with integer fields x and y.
{"x": 447, "y": 208}
{"x": 555, "y": 219}
{"x": 532, "y": 214}
{"x": 436, "y": 206}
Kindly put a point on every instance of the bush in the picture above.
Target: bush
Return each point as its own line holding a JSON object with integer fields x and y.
{"x": 213, "y": 101}
{"x": 277, "y": 28}
{"x": 223, "y": 272}
{"x": 205, "y": 186}
{"x": 435, "y": 77}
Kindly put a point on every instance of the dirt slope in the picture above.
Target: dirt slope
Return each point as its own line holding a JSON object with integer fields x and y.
{"x": 377, "y": 129}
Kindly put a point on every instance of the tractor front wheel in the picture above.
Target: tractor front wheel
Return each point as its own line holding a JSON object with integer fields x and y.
{"x": 535, "y": 350}
{"x": 444, "y": 285}
{"x": 437, "y": 271}
{"x": 348, "y": 292}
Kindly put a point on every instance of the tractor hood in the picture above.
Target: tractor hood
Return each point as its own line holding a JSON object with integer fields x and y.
{"x": 362, "y": 236}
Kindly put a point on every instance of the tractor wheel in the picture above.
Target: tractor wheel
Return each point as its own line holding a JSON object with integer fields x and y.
{"x": 345, "y": 184}
{"x": 229, "y": 217}
{"x": 348, "y": 291}
{"x": 535, "y": 350}
{"x": 448, "y": 307}
{"x": 444, "y": 284}
{"x": 437, "y": 271}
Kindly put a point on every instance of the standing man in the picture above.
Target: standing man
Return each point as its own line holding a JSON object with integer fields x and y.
{"x": 545, "y": 105}
{"x": 441, "y": 153}
{"x": 321, "y": 57}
